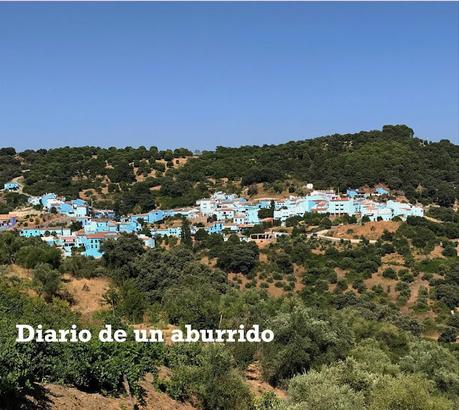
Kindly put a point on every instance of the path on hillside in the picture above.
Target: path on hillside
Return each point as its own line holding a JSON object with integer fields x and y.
{"x": 20, "y": 180}
{"x": 429, "y": 218}
{"x": 324, "y": 234}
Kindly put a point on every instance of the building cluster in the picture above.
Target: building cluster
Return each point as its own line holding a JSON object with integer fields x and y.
{"x": 221, "y": 213}
{"x": 354, "y": 203}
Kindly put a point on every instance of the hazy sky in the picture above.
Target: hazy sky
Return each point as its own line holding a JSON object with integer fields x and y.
{"x": 207, "y": 74}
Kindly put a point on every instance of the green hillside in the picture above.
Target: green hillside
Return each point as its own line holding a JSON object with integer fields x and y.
{"x": 135, "y": 179}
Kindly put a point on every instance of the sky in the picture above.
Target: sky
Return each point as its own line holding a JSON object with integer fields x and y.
{"x": 199, "y": 75}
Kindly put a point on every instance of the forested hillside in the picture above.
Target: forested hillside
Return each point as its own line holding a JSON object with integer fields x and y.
{"x": 357, "y": 327}
{"x": 364, "y": 313}
{"x": 125, "y": 178}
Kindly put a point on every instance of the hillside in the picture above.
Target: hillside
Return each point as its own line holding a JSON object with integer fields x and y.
{"x": 137, "y": 179}
{"x": 363, "y": 312}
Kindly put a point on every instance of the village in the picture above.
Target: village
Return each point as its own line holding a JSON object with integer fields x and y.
{"x": 222, "y": 213}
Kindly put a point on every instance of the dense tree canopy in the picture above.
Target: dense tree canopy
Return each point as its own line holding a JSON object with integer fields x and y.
{"x": 423, "y": 170}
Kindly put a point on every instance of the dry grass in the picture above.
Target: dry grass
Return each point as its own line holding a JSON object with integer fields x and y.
{"x": 257, "y": 385}
{"x": 369, "y": 230}
{"x": 69, "y": 398}
{"x": 87, "y": 293}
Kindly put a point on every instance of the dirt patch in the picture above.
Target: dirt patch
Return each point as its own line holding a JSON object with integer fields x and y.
{"x": 263, "y": 243}
{"x": 340, "y": 273}
{"x": 369, "y": 230}
{"x": 238, "y": 277}
{"x": 212, "y": 262}
{"x": 26, "y": 213}
{"x": 69, "y": 398}
{"x": 388, "y": 285}
{"x": 257, "y": 385}
{"x": 435, "y": 254}
{"x": 317, "y": 251}
{"x": 414, "y": 287}
{"x": 263, "y": 257}
{"x": 177, "y": 162}
{"x": 31, "y": 219}
{"x": 87, "y": 293}
{"x": 393, "y": 259}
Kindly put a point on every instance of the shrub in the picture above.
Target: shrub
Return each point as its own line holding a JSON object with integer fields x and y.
{"x": 389, "y": 273}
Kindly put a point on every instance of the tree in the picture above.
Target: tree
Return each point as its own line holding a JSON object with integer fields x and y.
{"x": 185, "y": 234}
{"x": 76, "y": 226}
{"x": 201, "y": 235}
{"x": 435, "y": 362}
{"x": 46, "y": 281}
{"x": 118, "y": 255}
{"x": 252, "y": 190}
{"x": 30, "y": 256}
{"x": 448, "y": 336}
{"x": 158, "y": 270}
{"x": 129, "y": 301}
{"x": 322, "y": 390}
{"x": 195, "y": 303}
{"x": 267, "y": 401}
{"x": 406, "y": 392}
{"x": 215, "y": 384}
{"x": 239, "y": 257}
{"x": 302, "y": 340}
{"x": 265, "y": 213}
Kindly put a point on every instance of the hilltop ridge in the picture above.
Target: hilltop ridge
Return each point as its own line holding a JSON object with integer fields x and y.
{"x": 136, "y": 179}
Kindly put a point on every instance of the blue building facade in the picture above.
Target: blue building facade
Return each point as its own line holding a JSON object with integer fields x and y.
{"x": 11, "y": 186}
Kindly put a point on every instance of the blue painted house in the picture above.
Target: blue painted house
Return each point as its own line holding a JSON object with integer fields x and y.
{"x": 104, "y": 213}
{"x": 264, "y": 204}
{"x": 252, "y": 216}
{"x": 36, "y": 232}
{"x": 92, "y": 242}
{"x": 34, "y": 200}
{"x": 78, "y": 202}
{"x": 45, "y": 199}
{"x": 7, "y": 222}
{"x": 403, "y": 210}
{"x": 65, "y": 209}
{"x": 215, "y": 228}
{"x": 381, "y": 191}
{"x": 352, "y": 193}
{"x": 341, "y": 206}
{"x": 100, "y": 226}
{"x": 173, "y": 231}
{"x": 129, "y": 226}
{"x": 155, "y": 216}
{"x": 11, "y": 186}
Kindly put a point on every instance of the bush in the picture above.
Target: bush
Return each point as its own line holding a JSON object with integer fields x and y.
{"x": 239, "y": 257}
{"x": 389, "y": 273}
{"x": 405, "y": 275}
{"x": 46, "y": 281}
{"x": 301, "y": 340}
{"x": 30, "y": 256}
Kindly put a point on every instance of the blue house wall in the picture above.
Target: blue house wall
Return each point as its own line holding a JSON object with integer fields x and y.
{"x": 7, "y": 222}
{"x": 215, "y": 228}
{"x": 252, "y": 216}
{"x": 47, "y": 197}
{"x": 11, "y": 186}
{"x": 155, "y": 216}
{"x": 129, "y": 227}
{"x": 34, "y": 232}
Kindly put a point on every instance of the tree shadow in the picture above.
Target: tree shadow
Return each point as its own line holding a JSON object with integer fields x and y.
{"x": 35, "y": 397}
